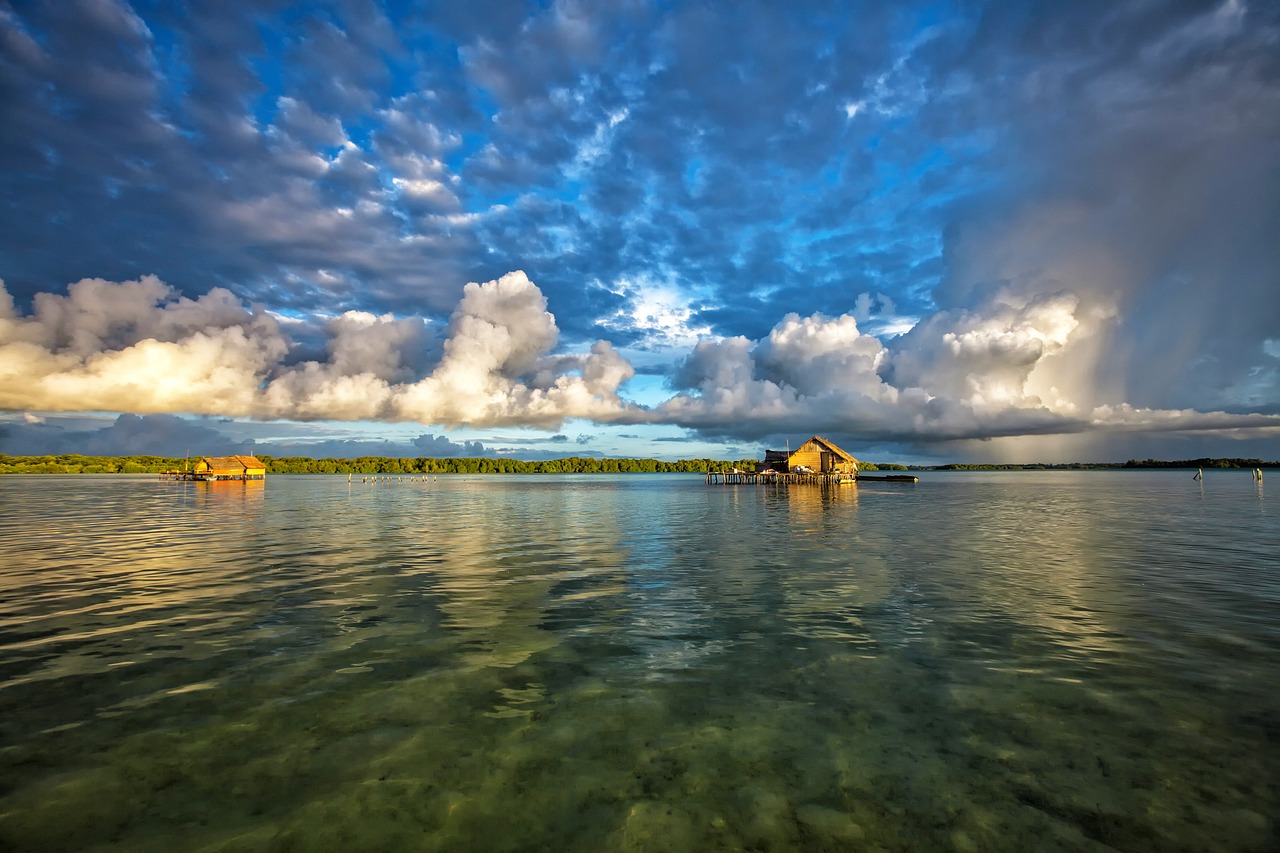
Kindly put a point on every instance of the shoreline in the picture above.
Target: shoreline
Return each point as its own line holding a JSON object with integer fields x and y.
{"x": 397, "y": 466}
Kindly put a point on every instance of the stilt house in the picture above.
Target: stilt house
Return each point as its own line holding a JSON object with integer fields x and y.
{"x": 818, "y": 455}
{"x": 230, "y": 468}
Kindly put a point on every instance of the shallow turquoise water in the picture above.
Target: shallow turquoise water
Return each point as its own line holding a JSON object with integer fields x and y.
{"x": 1012, "y": 661}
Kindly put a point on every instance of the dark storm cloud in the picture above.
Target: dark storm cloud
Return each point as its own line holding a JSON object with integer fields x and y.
{"x": 438, "y": 446}
{"x": 128, "y": 435}
{"x": 169, "y": 435}
{"x": 1137, "y": 168}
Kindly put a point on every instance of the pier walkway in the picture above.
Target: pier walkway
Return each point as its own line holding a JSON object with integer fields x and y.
{"x": 777, "y": 478}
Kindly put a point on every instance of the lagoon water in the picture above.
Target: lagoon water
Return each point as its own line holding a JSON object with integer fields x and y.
{"x": 982, "y": 661}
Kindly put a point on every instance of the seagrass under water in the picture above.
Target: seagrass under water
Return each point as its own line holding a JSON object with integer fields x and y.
{"x": 1062, "y": 660}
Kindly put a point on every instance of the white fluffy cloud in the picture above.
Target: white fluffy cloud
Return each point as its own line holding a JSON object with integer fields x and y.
{"x": 496, "y": 368}
{"x": 984, "y": 358}
{"x": 808, "y": 371}
{"x": 979, "y": 373}
{"x": 133, "y": 347}
{"x": 992, "y": 370}
{"x": 367, "y": 355}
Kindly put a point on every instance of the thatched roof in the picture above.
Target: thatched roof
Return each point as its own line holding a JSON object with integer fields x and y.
{"x": 832, "y": 447}
{"x": 232, "y": 463}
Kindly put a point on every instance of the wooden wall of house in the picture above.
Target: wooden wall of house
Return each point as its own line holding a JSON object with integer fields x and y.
{"x": 810, "y": 453}
{"x": 808, "y": 458}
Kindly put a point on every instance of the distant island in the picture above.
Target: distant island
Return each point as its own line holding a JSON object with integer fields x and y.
{"x": 79, "y": 464}
{"x": 1203, "y": 462}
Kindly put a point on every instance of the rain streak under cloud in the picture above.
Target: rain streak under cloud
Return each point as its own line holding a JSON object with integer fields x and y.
{"x": 1026, "y": 231}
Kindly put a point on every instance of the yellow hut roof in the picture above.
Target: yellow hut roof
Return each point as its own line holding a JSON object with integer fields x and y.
{"x": 232, "y": 463}
{"x": 830, "y": 446}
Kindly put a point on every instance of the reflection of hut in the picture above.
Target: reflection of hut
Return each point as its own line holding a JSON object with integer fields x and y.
{"x": 230, "y": 468}
{"x": 817, "y": 455}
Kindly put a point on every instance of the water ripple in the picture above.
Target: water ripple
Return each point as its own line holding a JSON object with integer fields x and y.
{"x": 980, "y": 661}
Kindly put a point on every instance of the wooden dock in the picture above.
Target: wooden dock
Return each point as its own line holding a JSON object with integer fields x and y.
{"x": 214, "y": 469}
{"x": 890, "y": 478}
{"x": 777, "y": 478}
{"x": 208, "y": 477}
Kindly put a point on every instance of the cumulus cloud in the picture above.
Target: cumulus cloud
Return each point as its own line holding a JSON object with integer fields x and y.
{"x": 367, "y": 355}
{"x": 956, "y": 375}
{"x": 984, "y": 358}
{"x": 496, "y": 369}
{"x": 815, "y": 353}
{"x": 106, "y": 343}
{"x": 988, "y": 370}
{"x": 138, "y": 347}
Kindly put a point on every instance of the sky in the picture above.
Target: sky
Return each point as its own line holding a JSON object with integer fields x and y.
{"x": 929, "y": 231}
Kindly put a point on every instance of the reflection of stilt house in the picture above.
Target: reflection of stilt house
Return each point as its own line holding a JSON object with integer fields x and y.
{"x": 229, "y": 468}
{"x": 817, "y": 456}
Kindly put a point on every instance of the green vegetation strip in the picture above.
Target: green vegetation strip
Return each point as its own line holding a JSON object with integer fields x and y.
{"x": 76, "y": 464}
